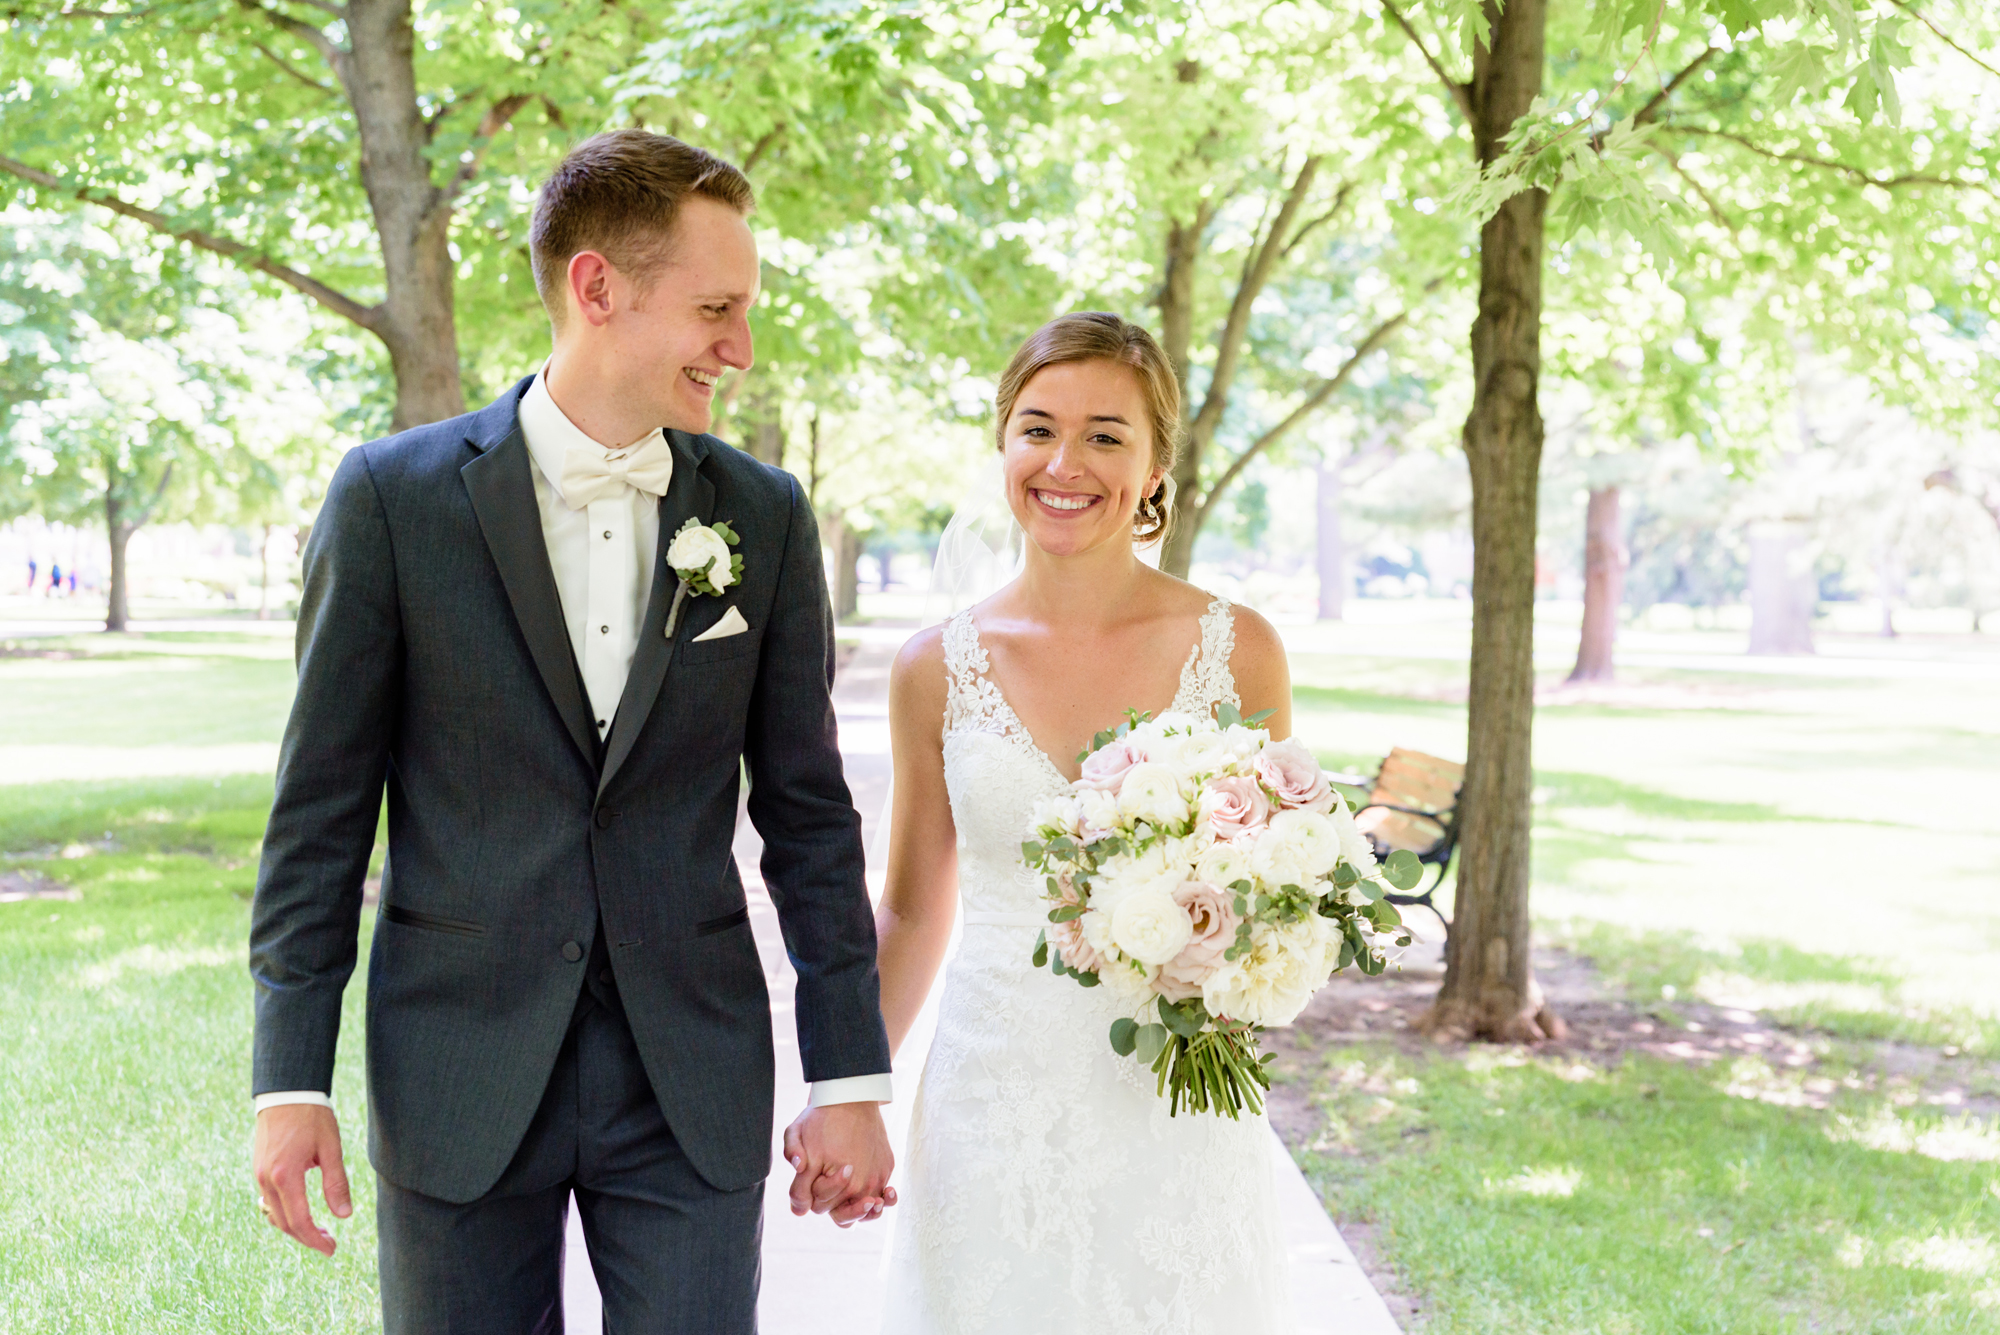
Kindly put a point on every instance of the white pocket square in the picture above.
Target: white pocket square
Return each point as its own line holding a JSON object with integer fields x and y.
{"x": 729, "y": 623}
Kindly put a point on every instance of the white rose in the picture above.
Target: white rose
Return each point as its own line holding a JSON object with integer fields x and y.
{"x": 1095, "y": 926}
{"x": 1153, "y": 793}
{"x": 1174, "y": 720}
{"x": 1223, "y": 864}
{"x": 1130, "y": 985}
{"x": 701, "y": 549}
{"x": 1149, "y": 926}
{"x": 1310, "y": 836}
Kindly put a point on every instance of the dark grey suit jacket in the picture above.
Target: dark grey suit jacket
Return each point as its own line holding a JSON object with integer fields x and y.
{"x": 433, "y": 658}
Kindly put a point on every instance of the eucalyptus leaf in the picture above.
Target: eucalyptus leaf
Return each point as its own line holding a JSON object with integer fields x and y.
{"x": 1403, "y": 869}
{"x": 1124, "y": 1035}
{"x": 1151, "y": 1041}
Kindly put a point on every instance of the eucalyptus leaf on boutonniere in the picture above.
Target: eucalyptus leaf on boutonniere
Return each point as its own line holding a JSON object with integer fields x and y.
{"x": 700, "y": 556}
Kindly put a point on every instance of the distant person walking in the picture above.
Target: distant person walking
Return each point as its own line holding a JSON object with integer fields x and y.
{"x": 33, "y": 569}
{"x": 55, "y": 580}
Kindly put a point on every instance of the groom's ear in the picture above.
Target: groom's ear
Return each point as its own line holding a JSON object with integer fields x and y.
{"x": 592, "y": 286}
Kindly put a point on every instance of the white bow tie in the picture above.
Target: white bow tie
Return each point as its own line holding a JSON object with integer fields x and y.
{"x": 593, "y": 473}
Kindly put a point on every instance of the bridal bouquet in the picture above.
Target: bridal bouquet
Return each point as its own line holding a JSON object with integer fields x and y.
{"x": 1213, "y": 881}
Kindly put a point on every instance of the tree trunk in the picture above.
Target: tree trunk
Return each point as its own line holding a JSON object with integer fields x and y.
{"x": 1331, "y": 551}
{"x": 764, "y": 428}
{"x": 1782, "y": 595}
{"x": 118, "y": 613}
{"x": 847, "y": 572}
{"x": 413, "y": 215}
{"x": 1177, "y": 338}
{"x": 1604, "y": 561}
{"x": 1489, "y": 988}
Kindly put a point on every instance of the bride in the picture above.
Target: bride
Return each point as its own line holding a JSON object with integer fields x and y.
{"x": 1047, "y": 1188}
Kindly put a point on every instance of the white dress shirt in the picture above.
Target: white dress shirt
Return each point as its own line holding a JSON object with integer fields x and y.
{"x": 602, "y": 558}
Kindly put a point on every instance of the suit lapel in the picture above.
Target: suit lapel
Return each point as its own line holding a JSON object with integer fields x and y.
{"x": 503, "y": 496}
{"x": 690, "y": 495}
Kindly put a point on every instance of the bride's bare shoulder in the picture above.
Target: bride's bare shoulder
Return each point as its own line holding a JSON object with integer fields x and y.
{"x": 916, "y": 678}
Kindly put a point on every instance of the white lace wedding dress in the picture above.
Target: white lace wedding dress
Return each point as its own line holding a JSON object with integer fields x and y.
{"x": 1045, "y": 1189}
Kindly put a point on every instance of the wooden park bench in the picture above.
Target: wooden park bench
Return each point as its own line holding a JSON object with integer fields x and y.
{"x": 1412, "y": 804}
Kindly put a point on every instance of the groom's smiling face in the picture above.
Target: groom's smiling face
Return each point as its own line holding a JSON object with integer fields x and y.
{"x": 667, "y": 339}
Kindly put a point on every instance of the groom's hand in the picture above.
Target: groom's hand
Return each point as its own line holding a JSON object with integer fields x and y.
{"x": 841, "y": 1162}
{"x": 290, "y": 1139}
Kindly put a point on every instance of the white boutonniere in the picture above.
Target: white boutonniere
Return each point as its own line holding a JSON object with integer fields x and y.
{"x": 700, "y": 556}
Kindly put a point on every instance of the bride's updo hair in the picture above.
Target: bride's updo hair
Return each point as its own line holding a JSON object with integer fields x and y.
{"x": 1093, "y": 336}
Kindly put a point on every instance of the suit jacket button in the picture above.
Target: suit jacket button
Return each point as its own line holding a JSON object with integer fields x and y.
{"x": 572, "y": 951}
{"x": 605, "y": 817}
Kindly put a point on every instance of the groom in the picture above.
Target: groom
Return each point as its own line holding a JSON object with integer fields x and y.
{"x": 563, "y": 992}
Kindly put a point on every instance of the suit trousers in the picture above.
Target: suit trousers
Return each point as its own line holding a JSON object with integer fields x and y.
{"x": 672, "y": 1255}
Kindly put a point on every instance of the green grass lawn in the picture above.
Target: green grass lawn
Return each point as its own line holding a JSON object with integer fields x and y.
{"x": 1811, "y": 852}
{"x": 1813, "y": 858}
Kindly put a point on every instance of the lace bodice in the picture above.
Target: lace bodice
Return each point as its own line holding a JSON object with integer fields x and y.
{"x": 988, "y": 751}
{"x": 1047, "y": 1189}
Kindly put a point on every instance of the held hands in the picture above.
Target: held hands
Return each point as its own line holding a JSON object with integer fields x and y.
{"x": 841, "y": 1159}
{"x": 289, "y": 1140}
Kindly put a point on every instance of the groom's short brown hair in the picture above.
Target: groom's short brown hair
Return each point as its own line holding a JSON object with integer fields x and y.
{"x": 619, "y": 193}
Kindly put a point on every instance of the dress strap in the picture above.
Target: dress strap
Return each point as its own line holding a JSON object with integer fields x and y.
{"x": 1207, "y": 681}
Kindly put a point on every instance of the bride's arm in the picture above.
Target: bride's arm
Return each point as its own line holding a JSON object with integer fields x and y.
{"x": 1263, "y": 677}
{"x": 913, "y": 924}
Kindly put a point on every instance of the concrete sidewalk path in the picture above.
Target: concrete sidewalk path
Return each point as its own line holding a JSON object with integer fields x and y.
{"x": 823, "y": 1280}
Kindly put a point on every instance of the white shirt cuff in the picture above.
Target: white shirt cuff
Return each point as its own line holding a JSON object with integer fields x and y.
{"x": 852, "y": 1089}
{"x": 283, "y": 1097}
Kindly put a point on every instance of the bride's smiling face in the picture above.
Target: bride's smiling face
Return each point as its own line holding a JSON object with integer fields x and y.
{"x": 1078, "y": 455}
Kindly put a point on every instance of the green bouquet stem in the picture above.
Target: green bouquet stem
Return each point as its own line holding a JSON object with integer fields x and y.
{"x": 1212, "y": 1072}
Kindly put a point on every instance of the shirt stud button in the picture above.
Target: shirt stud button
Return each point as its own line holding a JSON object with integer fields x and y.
{"x": 604, "y": 630}
{"x": 607, "y": 534}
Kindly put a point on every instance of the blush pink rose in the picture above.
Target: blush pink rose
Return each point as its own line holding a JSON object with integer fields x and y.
{"x": 1067, "y": 940}
{"x": 1212, "y": 911}
{"x": 1290, "y": 771}
{"x": 1235, "y": 806}
{"x": 1105, "y": 768}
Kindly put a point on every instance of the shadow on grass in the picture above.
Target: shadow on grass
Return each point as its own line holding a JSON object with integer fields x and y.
{"x": 1840, "y": 996}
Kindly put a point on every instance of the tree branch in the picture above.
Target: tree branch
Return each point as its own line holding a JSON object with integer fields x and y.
{"x": 763, "y": 145}
{"x": 1828, "y": 164}
{"x": 1380, "y": 335}
{"x": 292, "y": 69}
{"x": 1256, "y": 273}
{"x": 1461, "y": 93}
{"x": 368, "y": 317}
{"x": 1714, "y": 209}
{"x": 1652, "y": 108}
{"x": 1924, "y": 19}
{"x": 492, "y": 123}
{"x": 305, "y": 32}
{"x": 1339, "y": 203}
{"x": 166, "y": 475}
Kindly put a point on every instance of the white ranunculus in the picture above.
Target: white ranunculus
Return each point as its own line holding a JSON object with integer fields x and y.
{"x": 701, "y": 550}
{"x": 1150, "y": 926}
{"x": 1276, "y": 862}
{"x": 1241, "y": 742}
{"x": 1153, "y": 793}
{"x": 1192, "y": 753}
{"x": 1355, "y": 850}
{"x": 1310, "y": 836}
{"x": 1097, "y": 810}
{"x": 1271, "y": 982}
{"x": 1223, "y": 864}
{"x": 1060, "y": 812}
